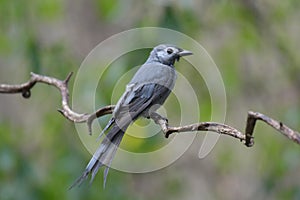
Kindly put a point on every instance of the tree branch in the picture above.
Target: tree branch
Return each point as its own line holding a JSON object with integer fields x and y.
{"x": 62, "y": 86}
{"x": 279, "y": 126}
{"x": 247, "y": 138}
{"x": 201, "y": 126}
{"x": 67, "y": 112}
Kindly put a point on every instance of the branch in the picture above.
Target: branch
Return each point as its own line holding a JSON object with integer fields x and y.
{"x": 201, "y": 126}
{"x": 67, "y": 112}
{"x": 279, "y": 126}
{"x": 62, "y": 86}
{"x": 247, "y": 138}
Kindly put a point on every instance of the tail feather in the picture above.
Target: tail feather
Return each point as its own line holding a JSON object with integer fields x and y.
{"x": 111, "y": 156}
{"x": 95, "y": 170}
{"x": 108, "y": 125}
{"x": 103, "y": 155}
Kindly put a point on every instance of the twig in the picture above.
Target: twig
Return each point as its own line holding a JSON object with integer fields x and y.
{"x": 100, "y": 112}
{"x": 279, "y": 126}
{"x": 247, "y": 138}
{"x": 62, "y": 86}
{"x": 68, "y": 113}
{"x": 201, "y": 126}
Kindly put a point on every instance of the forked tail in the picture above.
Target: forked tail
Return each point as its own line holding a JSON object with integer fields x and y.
{"x": 103, "y": 155}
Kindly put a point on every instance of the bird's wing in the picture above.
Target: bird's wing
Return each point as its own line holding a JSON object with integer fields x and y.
{"x": 128, "y": 91}
{"x": 135, "y": 100}
{"x": 141, "y": 98}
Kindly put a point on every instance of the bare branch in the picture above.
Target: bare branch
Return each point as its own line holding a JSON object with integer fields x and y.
{"x": 100, "y": 112}
{"x": 62, "y": 86}
{"x": 279, "y": 126}
{"x": 66, "y": 111}
{"x": 201, "y": 126}
{"x": 247, "y": 138}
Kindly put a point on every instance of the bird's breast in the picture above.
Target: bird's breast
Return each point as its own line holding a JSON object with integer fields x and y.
{"x": 155, "y": 73}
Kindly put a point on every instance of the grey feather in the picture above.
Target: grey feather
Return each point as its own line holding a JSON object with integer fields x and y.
{"x": 108, "y": 125}
{"x": 151, "y": 85}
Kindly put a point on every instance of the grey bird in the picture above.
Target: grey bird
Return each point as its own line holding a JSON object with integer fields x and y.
{"x": 148, "y": 89}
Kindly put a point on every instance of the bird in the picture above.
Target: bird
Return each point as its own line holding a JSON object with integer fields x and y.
{"x": 144, "y": 94}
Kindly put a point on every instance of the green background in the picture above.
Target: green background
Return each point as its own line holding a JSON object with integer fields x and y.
{"x": 255, "y": 44}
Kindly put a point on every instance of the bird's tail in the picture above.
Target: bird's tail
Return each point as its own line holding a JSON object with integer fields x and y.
{"x": 103, "y": 155}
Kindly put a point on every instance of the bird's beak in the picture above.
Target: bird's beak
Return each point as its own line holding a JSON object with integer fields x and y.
{"x": 184, "y": 53}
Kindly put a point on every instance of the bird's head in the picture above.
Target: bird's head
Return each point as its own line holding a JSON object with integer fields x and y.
{"x": 167, "y": 54}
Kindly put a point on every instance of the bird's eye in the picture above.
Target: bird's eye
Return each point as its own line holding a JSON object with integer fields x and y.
{"x": 169, "y": 51}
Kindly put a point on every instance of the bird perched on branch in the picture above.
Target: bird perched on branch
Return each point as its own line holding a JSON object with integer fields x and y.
{"x": 147, "y": 90}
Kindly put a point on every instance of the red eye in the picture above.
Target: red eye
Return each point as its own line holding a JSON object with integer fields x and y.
{"x": 169, "y": 51}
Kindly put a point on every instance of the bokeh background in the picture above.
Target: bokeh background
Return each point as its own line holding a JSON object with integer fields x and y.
{"x": 254, "y": 44}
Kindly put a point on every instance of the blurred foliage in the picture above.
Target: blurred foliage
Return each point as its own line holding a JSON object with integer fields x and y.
{"x": 254, "y": 43}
